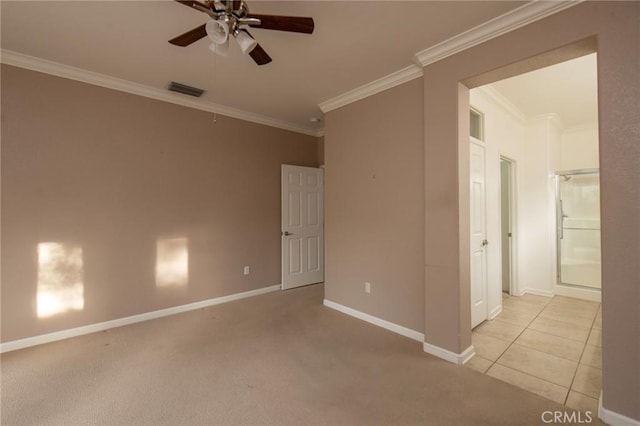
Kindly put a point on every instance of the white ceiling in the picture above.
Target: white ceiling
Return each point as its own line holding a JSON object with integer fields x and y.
{"x": 354, "y": 43}
{"x": 569, "y": 89}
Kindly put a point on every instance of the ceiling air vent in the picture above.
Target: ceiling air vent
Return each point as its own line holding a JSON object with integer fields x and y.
{"x": 187, "y": 90}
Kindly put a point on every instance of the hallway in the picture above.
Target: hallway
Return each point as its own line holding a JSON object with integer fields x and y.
{"x": 549, "y": 346}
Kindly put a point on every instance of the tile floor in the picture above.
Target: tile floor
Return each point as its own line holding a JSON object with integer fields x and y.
{"x": 549, "y": 346}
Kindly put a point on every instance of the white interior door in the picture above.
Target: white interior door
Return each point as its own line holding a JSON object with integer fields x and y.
{"x": 478, "y": 236}
{"x": 302, "y": 226}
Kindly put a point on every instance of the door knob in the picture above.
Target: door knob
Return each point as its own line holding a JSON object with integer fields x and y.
{"x": 287, "y": 233}
{"x": 484, "y": 243}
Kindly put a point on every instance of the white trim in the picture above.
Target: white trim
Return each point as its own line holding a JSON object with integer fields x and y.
{"x": 478, "y": 142}
{"x": 495, "y": 312}
{"x": 78, "y": 74}
{"x": 473, "y": 109}
{"x": 550, "y": 117}
{"x": 493, "y": 94}
{"x": 510, "y": 21}
{"x": 447, "y": 355}
{"x": 515, "y": 284}
{"x": 387, "y": 82}
{"x": 537, "y": 292}
{"x": 92, "y": 328}
{"x": 524, "y": 15}
{"x": 404, "y": 331}
{"x": 578, "y": 293}
{"x": 614, "y": 419}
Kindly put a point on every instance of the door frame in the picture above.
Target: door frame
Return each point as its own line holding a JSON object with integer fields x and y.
{"x": 513, "y": 252}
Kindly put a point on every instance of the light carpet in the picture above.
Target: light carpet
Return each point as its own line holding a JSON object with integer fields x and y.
{"x": 278, "y": 359}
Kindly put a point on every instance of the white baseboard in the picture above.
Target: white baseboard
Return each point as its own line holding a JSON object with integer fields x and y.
{"x": 614, "y": 419}
{"x": 447, "y": 355}
{"x": 92, "y": 328}
{"x": 404, "y": 331}
{"x": 495, "y": 312}
{"x": 537, "y": 292}
{"x": 407, "y": 332}
{"x": 579, "y": 293}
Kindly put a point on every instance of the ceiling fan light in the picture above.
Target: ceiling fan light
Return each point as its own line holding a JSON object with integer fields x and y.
{"x": 221, "y": 49}
{"x": 245, "y": 41}
{"x": 218, "y": 31}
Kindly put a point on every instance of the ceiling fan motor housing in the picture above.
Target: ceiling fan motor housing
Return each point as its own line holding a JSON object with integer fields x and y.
{"x": 228, "y": 17}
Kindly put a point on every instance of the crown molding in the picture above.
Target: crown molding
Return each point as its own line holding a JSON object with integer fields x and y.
{"x": 387, "y": 82}
{"x": 79, "y": 74}
{"x": 556, "y": 119}
{"x": 502, "y": 101}
{"x": 549, "y": 118}
{"x": 524, "y": 15}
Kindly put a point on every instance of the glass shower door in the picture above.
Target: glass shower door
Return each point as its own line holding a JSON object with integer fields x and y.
{"x": 579, "y": 228}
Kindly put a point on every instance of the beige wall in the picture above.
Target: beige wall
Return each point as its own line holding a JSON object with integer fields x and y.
{"x": 615, "y": 25}
{"x": 374, "y": 205}
{"x": 112, "y": 173}
{"x": 321, "y": 150}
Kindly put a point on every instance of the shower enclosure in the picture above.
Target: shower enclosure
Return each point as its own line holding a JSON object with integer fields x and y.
{"x": 578, "y": 225}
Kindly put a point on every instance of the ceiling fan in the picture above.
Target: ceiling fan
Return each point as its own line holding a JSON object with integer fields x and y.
{"x": 230, "y": 18}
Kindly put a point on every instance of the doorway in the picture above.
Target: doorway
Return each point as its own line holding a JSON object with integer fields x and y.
{"x": 506, "y": 223}
{"x": 543, "y": 121}
{"x": 526, "y": 124}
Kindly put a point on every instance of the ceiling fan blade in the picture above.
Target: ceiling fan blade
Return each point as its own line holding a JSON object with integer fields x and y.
{"x": 260, "y": 56}
{"x": 190, "y": 36}
{"x": 294, "y": 24}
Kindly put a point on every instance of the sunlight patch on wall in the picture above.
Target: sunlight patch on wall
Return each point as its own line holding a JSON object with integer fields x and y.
{"x": 172, "y": 262}
{"x": 60, "y": 279}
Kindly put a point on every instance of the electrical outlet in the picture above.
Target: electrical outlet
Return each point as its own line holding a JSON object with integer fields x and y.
{"x": 367, "y": 287}
{"x": 247, "y": 270}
